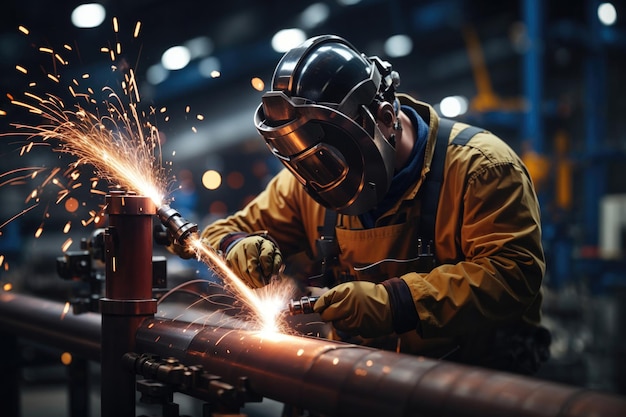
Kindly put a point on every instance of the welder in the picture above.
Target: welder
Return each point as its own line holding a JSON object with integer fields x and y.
{"x": 417, "y": 233}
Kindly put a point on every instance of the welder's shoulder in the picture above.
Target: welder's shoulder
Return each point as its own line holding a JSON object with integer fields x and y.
{"x": 484, "y": 148}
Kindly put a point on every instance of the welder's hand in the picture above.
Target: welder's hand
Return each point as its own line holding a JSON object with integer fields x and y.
{"x": 357, "y": 308}
{"x": 255, "y": 259}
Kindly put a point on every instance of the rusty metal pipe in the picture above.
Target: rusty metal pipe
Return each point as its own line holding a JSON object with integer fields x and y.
{"x": 335, "y": 378}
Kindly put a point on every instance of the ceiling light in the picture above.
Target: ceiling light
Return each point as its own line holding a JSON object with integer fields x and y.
{"x": 286, "y": 39}
{"x": 398, "y": 46}
{"x": 453, "y": 106}
{"x": 313, "y": 15}
{"x": 88, "y": 15}
{"x": 607, "y": 14}
{"x": 175, "y": 58}
{"x": 156, "y": 74}
{"x": 199, "y": 47}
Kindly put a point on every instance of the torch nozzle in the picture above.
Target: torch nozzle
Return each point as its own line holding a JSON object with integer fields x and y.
{"x": 304, "y": 305}
{"x": 179, "y": 228}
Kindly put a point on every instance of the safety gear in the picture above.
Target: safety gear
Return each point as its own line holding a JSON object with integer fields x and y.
{"x": 319, "y": 119}
{"x": 254, "y": 259}
{"x": 357, "y": 308}
{"x": 493, "y": 273}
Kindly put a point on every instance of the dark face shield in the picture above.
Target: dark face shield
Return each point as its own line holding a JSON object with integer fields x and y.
{"x": 343, "y": 165}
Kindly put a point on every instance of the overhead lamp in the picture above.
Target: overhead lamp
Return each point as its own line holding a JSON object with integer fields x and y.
{"x": 175, "y": 58}
{"x": 314, "y": 14}
{"x": 453, "y": 106}
{"x": 89, "y": 15}
{"x": 287, "y": 39}
{"x": 607, "y": 14}
{"x": 398, "y": 46}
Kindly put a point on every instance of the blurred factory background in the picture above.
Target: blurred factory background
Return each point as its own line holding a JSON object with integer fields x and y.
{"x": 547, "y": 76}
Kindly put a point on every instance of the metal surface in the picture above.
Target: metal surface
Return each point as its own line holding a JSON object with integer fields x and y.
{"x": 179, "y": 228}
{"x": 51, "y": 323}
{"x": 331, "y": 377}
{"x": 304, "y": 305}
{"x": 341, "y": 379}
{"x": 128, "y": 295}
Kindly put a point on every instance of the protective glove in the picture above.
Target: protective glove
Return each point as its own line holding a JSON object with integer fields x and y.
{"x": 370, "y": 310}
{"x": 254, "y": 259}
{"x": 357, "y": 308}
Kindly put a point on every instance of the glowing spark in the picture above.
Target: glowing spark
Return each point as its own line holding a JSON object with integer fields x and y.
{"x": 38, "y": 232}
{"x": 115, "y": 25}
{"x": 137, "y": 28}
{"x": 23, "y": 30}
{"x": 21, "y": 69}
{"x": 66, "y": 358}
{"x": 67, "y": 227}
{"x": 267, "y": 304}
{"x": 18, "y": 215}
{"x": 3, "y": 113}
{"x": 66, "y": 245}
{"x": 66, "y": 309}
{"x": 7, "y": 287}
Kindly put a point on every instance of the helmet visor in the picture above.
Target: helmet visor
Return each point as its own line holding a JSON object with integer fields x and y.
{"x": 321, "y": 167}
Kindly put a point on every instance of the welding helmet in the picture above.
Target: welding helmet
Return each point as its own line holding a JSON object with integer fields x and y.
{"x": 319, "y": 120}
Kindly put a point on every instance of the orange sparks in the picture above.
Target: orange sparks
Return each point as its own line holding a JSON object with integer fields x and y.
{"x": 66, "y": 309}
{"x": 7, "y": 286}
{"x": 66, "y": 245}
{"x": 137, "y": 28}
{"x": 267, "y": 304}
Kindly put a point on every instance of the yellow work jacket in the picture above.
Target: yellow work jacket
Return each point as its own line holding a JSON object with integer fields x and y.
{"x": 489, "y": 256}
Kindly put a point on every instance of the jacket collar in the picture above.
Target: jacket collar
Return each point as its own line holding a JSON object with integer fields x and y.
{"x": 426, "y": 112}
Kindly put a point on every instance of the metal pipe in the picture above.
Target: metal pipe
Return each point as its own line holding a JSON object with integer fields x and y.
{"x": 321, "y": 375}
{"x": 51, "y": 323}
{"x": 128, "y": 295}
{"x": 335, "y": 378}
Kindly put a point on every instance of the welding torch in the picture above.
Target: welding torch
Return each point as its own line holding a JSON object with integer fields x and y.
{"x": 303, "y": 305}
{"x": 180, "y": 228}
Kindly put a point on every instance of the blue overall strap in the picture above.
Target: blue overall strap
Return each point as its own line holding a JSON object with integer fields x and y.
{"x": 432, "y": 185}
{"x": 466, "y": 134}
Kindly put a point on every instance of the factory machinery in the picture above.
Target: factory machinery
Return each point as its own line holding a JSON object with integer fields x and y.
{"x": 216, "y": 357}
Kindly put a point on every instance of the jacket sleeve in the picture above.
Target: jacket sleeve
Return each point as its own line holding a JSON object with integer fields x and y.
{"x": 498, "y": 265}
{"x": 274, "y": 210}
